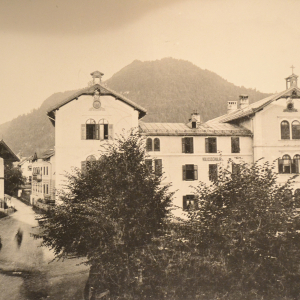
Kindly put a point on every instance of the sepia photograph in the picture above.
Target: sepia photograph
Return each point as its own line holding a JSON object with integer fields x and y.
{"x": 149, "y": 149}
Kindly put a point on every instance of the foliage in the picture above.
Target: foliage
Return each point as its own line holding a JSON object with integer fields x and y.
{"x": 13, "y": 178}
{"x": 109, "y": 212}
{"x": 250, "y": 222}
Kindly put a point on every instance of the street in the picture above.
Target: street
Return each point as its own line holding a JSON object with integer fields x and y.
{"x": 27, "y": 271}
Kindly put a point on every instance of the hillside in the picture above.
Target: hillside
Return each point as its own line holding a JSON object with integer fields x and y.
{"x": 169, "y": 89}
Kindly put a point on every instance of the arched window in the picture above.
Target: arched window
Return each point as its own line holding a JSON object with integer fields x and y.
{"x": 297, "y": 197}
{"x": 296, "y": 130}
{"x": 285, "y": 130}
{"x": 296, "y": 164}
{"x": 149, "y": 144}
{"x": 156, "y": 144}
{"x": 91, "y": 129}
{"x": 284, "y": 164}
{"x": 91, "y": 158}
{"x": 104, "y": 129}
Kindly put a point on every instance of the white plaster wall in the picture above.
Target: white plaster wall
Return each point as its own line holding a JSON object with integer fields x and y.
{"x": 70, "y": 149}
{"x": 173, "y": 159}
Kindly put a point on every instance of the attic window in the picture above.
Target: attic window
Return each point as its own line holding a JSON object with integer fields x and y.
{"x": 194, "y": 124}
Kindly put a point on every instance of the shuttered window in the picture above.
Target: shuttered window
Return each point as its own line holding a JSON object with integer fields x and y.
{"x": 189, "y": 202}
{"x": 189, "y": 172}
{"x": 187, "y": 145}
{"x": 158, "y": 167}
{"x": 211, "y": 145}
{"x": 148, "y": 163}
{"x": 213, "y": 172}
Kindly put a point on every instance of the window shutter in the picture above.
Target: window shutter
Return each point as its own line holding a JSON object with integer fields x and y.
{"x": 158, "y": 167}
{"x": 206, "y": 145}
{"x": 83, "y": 167}
{"x": 183, "y": 172}
{"x": 156, "y": 144}
{"x": 195, "y": 172}
{"x": 149, "y": 144}
{"x": 148, "y": 163}
{"x": 191, "y": 145}
{"x": 83, "y": 131}
{"x": 184, "y": 203}
{"x": 183, "y": 145}
{"x": 97, "y": 132}
{"x": 280, "y": 165}
{"x": 101, "y": 130}
{"x": 110, "y": 131}
{"x": 214, "y": 142}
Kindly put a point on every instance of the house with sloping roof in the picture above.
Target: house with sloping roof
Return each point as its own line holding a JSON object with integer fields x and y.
{"x": 43, "y": 178}
{"x": 86, "y": 120}
{"x": 6, "y": 155}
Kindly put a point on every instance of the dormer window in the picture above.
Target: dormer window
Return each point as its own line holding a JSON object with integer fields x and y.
{"x": 194, "y": 124}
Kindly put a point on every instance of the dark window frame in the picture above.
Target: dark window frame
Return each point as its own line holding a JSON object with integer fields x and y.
{"x": 187, "y": 145}
{"x": 285, "y": 130}
{"x": 235, "y": 144}
{"x": 211, "y": 145}
{"x": 189, "y": 202}
{"x": 189, "y": 172}
{"x": 213, "y": 172}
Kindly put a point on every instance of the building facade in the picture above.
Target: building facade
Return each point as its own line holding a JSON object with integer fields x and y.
{"x": 43, "y": 178}
{"x": 188, "y": 152}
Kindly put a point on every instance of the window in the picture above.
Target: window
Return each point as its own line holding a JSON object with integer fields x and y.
{"x": 149, "y": 144}
{"x": 285, "y": 130}
{"x": 189, "y": 202}
{"x": 190, "y": 172}
{"x": 235, "y": 169}
{"x": 87, "y": 163}
{"x": 158, "y": 167}
{"x": 296, "y": 130}
{"x": 156, "y": 144}
{"x": 284, "y": 164}
{"x": 187, "y": 145}
{"x": 211, "y": 145}
{"x": 106, "y": 130}
{"x": 148, "y": 163}
{"x": 194, "y": 124}
{"x": 235, "y": 145}
{"x": 91, "y": 130}
{"x": 213, "y": 172}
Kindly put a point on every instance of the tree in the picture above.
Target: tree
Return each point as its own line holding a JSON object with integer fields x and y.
{"x": 13, "y": 178}
{"x": 109, "y": 212}
{"x": 249, "y": 222}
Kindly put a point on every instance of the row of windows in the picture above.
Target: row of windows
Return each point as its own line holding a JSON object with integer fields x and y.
{"x": 188, "y": 145}
{"x": 190, "y": 172}
{"x": 287, "y": 165}
{"x": 190, "y": 202}
{"x": 286, "y": 130}
{"x": 97, "y": 131}
{"x": 40, "y": 170}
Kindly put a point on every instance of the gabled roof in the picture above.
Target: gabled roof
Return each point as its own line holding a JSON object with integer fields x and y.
{"x": 6, "y": 153}
{"x": 105, "y": 91}
{"x": 47, "y": 154}
{"x": 181, "y": 129}
{"x": 254, "y": 107}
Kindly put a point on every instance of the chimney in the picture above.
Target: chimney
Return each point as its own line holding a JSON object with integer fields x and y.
{"x": 232, "y": 106}
{"x": 97, "y": 77}
{"x": 244, "y": 101}
{"x": 195, "y": 119}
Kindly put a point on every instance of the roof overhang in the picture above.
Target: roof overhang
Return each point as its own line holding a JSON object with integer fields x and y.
{"x": 6, "y": 153}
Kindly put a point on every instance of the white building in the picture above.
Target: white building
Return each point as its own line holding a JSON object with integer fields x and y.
{"x": 26, "y": 167}
{"x": 186, "y": 152}
{"x": 43, "y": 178}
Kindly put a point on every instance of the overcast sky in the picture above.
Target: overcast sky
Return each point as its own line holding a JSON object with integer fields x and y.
{"x": 52, "y": 46}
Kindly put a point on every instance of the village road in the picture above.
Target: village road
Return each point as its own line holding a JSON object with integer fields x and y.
{"x": 26, "y": 270}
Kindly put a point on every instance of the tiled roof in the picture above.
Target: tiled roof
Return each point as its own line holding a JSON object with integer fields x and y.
{"x": 254, "y": 107}
{"x": 181, "y": 129}
{"x": 103, "y": 91}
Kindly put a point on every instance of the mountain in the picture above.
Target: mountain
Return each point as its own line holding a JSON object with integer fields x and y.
{"x": 170, "y": 89}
